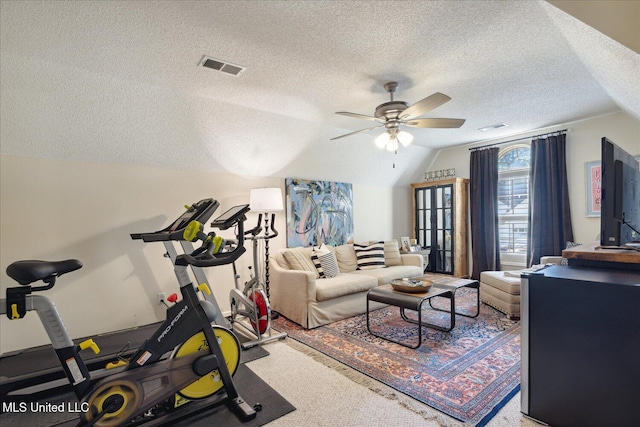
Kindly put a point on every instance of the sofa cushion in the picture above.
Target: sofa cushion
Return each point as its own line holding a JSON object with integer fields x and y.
{"x": 392, "y": 253}
{"x": 499, "y": 280}
{"x": 300, "y": 259}
{"x": 343, "y": 284}
{"x": 386, "y": 275}
{"x": 347, "y": 261}
{"x": 370, "y": 257}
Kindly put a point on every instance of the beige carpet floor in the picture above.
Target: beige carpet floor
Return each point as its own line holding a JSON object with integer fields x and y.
{"x": 328, "y": 393}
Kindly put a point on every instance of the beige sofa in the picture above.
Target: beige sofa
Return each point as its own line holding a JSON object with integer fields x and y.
{"x": 297, "y": 292}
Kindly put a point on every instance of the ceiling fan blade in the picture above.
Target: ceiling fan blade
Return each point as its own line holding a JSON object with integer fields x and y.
{"x": 353, "y": 133}
{"x": 359, "y": 116}
{"x": 435, "y": 123}
{"x": 424, "y": 106}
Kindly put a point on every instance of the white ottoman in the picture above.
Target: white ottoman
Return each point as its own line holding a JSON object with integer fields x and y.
{"x": 501, "y": 292}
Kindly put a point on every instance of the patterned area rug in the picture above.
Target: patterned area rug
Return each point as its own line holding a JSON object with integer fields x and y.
{"x": 468, "y": 373}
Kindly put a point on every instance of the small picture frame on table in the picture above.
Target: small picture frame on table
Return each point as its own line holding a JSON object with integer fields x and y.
{"x": 405, "y": 244}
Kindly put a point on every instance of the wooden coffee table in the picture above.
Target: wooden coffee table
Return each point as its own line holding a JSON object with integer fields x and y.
{"x": 443, "y": 286}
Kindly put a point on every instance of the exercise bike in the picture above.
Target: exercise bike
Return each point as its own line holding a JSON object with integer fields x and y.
{"x": 200, "y": 211}
{"x": 250, "y": 309}
{"x": 186, "y": 359}
{"x": 250, "y": 302}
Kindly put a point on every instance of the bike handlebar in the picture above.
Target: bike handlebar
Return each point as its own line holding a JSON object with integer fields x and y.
{"x": 273, "y": 223}
{"x": 255, "y": 230}
{"x": 207, "y": 260}
{"x": 203, "y": 256}
{"x": 258, "y": 228}
{"x": 200, "y": 211}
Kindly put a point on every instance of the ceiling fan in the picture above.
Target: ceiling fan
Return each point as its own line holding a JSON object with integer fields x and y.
{"x": 393, "y": 114}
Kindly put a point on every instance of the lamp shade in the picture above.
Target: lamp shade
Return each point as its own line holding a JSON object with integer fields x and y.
{"x": 266, "y": 200}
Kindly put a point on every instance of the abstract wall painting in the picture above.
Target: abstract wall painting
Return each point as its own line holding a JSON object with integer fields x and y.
{"x": 318, "y": 212}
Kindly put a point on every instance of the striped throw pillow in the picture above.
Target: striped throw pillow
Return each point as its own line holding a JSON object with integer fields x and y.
{"x": 315, "y": 258}
{"x": 391, "y": 252}
{"x": 370, "y": 257}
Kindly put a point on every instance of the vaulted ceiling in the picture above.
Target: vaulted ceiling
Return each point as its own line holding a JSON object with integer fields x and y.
{"x": 121, "y": 81}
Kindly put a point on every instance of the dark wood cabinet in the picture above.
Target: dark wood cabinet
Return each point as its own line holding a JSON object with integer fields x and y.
{"x": 580, "y": 346}
{"x": 440, "y": 224}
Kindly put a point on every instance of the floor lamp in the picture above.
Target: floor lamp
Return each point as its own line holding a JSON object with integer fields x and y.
{"x": 267, "y": 201}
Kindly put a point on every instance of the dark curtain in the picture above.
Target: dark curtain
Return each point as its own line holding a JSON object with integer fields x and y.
{"x": 549, "y": 212}
{"x": 484, "y": 211}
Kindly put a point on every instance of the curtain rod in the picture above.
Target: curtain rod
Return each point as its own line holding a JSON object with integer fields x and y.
{"x": 518, "y": 139}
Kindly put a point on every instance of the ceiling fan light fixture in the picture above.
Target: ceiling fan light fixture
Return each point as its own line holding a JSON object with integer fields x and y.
{"x": 382, "y": 140}
{"x": 394, "y": 114}
{"x": 405, "y": 138}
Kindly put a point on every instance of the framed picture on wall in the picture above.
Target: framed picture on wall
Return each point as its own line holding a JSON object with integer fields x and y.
{"x": 318, "y": 212}
{"x": 593, "y": 178}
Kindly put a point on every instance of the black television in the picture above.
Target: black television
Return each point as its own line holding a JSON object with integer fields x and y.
{"x": 620, "y": 197}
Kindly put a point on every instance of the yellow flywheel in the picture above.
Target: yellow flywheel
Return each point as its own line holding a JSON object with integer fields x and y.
{"x": 209, "y": 384}
{"x": 121, "y": 396}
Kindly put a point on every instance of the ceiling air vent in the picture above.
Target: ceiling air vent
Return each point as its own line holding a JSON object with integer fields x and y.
{"x": 223, "y": 66}
{"x": 496, "y": 126}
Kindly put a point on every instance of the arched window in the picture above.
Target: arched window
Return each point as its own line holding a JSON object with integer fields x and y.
{"x": 514, "y": 163}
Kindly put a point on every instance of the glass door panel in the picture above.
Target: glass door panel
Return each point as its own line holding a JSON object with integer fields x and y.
{"x": 434, "y": 226}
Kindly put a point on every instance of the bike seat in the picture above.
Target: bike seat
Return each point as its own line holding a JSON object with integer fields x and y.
{"x": 29, "y": 271}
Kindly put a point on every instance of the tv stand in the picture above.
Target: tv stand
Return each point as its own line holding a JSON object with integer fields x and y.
{"x": 580, "y": 346}
{"x": 594, "y": 255}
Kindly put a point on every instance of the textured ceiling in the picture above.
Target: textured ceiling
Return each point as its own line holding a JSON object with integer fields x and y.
{"x": 127, "y": 73}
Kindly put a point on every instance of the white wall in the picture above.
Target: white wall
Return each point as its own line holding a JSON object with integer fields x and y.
{"x": 54, "y": 210}
{"x": 583, "y": 145}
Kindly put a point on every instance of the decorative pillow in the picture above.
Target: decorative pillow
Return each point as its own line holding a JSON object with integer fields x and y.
{"x": 392, "y": 253}
{"x": 329, "y": 264}
{"x": 315, "y": 258}
{"x": 347, "y": 261}
{"x": 370, "y": 257}
{"x": 299, "y": 260}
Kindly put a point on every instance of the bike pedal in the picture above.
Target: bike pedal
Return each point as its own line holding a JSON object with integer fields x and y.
{"x": 112, "y": 365}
